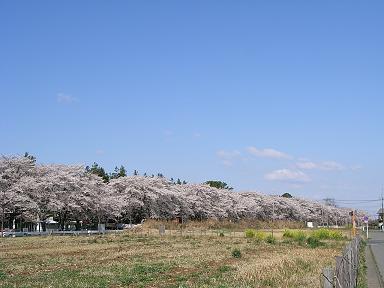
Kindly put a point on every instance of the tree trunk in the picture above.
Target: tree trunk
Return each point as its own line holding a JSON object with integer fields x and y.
{"x": 2, "y": 222}
{"x": 77, "y": 225}
{"x": 63, "y": 219}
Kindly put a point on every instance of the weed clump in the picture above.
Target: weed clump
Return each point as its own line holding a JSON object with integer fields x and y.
{"x": 300, "y": 236}
{"x": 288, "y": 234}
{"x": 236, "y": 253}
{"x": 250, "y": 233}
{"x": 270, "y": 239}
{"x": 260, "y": 236}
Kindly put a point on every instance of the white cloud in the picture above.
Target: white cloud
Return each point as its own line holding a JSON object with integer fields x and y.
{"x": 268, "y": 153}
{"x": 326, "y": 165}
{"x": 287, "y": 175}
{"x": 63, "y": 98}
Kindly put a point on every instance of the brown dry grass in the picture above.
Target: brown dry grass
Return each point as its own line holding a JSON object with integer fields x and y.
{"x": 136, "y": 260}
{"x": 226, "y": 224}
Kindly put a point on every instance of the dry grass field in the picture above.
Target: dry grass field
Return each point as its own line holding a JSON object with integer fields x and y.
{"x": 142, "y": 260}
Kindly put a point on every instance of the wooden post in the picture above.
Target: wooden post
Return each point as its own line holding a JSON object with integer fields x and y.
{"x": 328, "y": 277}
{"x": 339, "y": 272}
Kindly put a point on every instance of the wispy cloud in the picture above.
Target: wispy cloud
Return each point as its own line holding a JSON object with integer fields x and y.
{"x": 227, "y": 163}
{"x": 325, "y": 165}
{"x": 168, "y": 133}
{"x": 356, "y": 167}
{"x": 287, "y": 175}
{"x": 228, "y": 154}
{"x": 99, "y": 151}
{"x": 63, "y": 98}
{"x": 268, "y": 153}
{"x": 227, "y": 157}
{"x": 307, "y": 165}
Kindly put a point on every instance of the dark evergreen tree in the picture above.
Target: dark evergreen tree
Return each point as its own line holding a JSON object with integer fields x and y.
{"x": 286, "y": 195}
{"x": 119, "y": 172}
{"x": 218, "y": 184}
{"x": 115, "y": 173}
{"x": 330, "y": 202}
{"x": 99, "y": 171}
{"x": 29, "y": 156}
{"x": 122, "y": 171}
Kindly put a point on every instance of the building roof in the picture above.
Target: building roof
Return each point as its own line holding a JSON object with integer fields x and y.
{"x": 380, "y": 211}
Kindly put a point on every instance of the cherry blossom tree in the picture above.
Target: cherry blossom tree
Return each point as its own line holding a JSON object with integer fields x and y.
{"x": 12, "y": 169}
{"x": 145, "y": 197}
{"x": 72, "y": 193}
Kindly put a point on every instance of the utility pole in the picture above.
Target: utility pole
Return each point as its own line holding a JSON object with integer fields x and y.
{"x": 382, "y": 209}
{"x": 353, "y": 223}
{"x": 353, "y": 230}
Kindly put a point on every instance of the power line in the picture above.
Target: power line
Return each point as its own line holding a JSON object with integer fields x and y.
{"x": 357, "y": 200}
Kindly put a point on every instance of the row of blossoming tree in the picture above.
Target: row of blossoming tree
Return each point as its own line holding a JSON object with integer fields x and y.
{"x": 33, "y": 192}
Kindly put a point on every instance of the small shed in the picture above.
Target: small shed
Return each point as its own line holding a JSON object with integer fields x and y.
{"x": 51, "y": 225}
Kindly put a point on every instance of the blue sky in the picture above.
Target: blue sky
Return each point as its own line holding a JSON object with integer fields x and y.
{"x": 274, "y": 96}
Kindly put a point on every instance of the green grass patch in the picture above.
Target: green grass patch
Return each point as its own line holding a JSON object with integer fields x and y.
{"x": 314, "y": 242}
{"x": 143, "y": 273}
{"x": 326, "y": 234}
{"x": 253, "y": 234}
{"x": 225, "y": 268}
{"x": 362, "y": 272}
{"x": 250, "y": 233}
{"x": 3, "y": 275}
{"x": 295, "y": 235}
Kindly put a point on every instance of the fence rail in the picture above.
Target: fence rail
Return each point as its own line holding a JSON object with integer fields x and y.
{"x": 347, "y": 267}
